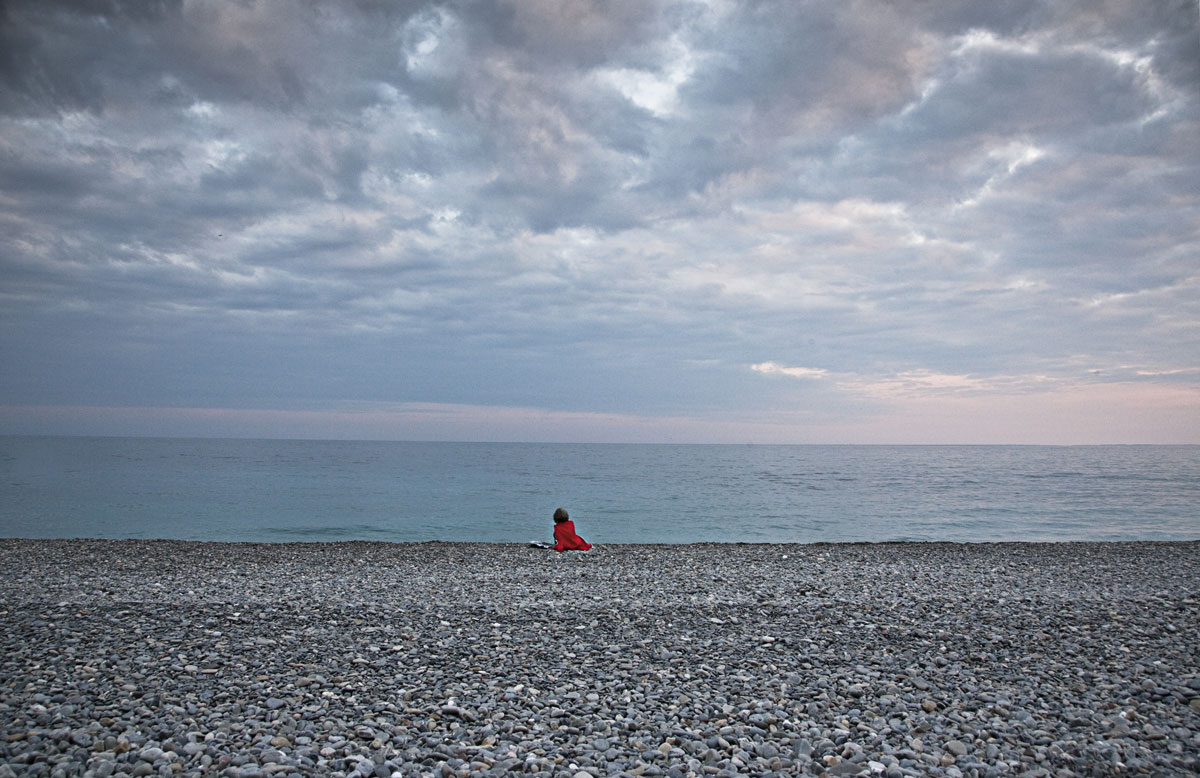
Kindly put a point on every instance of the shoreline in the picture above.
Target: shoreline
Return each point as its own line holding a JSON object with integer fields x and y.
{"x": 446, "y": 659}
{"x": 680, "y": 544}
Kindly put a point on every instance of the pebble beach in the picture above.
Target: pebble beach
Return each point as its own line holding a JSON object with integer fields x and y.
{"x": 168, "y": 658}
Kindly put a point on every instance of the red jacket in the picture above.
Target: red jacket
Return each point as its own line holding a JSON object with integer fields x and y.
{"x": 566, "y": 539}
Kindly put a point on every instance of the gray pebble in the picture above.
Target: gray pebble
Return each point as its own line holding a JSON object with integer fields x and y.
{"x": 956, "y": 747}
{"x": 151, "y": 754}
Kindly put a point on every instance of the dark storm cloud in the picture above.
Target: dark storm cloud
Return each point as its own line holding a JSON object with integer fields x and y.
{"x": 569, "y": 34}
{"x": 802, "y": 66}
{"x": 571, "y": 204}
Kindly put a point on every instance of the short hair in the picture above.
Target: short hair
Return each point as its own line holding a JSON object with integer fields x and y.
{"x": 560, "y": 515}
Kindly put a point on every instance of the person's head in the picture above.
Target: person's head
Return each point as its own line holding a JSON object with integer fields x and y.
{"x": 560, "y": 515}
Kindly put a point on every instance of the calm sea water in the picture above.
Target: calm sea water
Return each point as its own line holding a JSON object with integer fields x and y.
{"x": 272, "y": 490}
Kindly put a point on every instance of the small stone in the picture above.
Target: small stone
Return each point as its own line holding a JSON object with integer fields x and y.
{"x": 956, "y": 747}
{"x": 280, "y": 741}
{"x": 274, "y": 703}
{"x": 929, "y": 706}
{"x": 150, "y": 754}
{"x": 454, "y": 710}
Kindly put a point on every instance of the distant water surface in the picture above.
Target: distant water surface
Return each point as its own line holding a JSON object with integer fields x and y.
{"x": 278, "y": 490}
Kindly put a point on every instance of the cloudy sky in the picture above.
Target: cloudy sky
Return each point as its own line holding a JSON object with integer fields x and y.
{"x": 907, "y": 221}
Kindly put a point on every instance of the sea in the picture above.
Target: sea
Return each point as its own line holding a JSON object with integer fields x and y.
{"x": 319, "y": 490}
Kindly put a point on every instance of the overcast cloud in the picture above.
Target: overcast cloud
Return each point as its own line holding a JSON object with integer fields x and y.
{"x": 629, "y": 220}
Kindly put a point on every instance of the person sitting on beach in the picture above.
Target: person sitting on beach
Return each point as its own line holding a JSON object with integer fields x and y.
{"x": 565, "y": 538}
